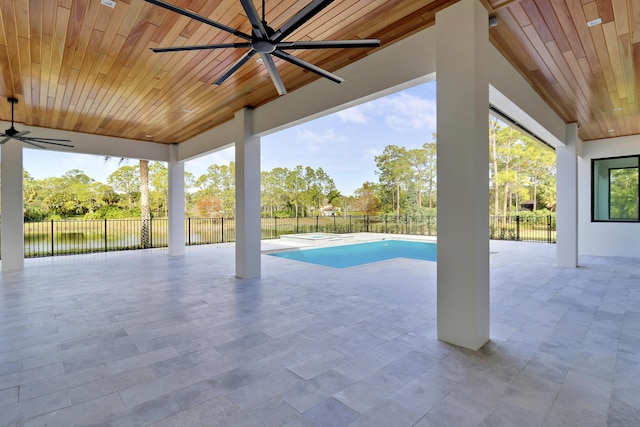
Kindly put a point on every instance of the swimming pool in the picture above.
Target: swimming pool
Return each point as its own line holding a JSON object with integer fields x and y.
{"x": 363, "y": 253}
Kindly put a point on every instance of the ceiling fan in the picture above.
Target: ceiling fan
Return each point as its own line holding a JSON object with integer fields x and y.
{"x": 12, "y": 133}
{"x": 267, "y": 42}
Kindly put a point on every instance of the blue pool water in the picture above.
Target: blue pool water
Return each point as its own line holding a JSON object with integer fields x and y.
{"x": 363, "y": 253}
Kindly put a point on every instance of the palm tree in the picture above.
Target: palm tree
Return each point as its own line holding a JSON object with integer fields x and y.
{"x": 145, "y": 209}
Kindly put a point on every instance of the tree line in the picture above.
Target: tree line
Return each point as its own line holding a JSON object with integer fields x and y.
{"x": 521, "y": 175}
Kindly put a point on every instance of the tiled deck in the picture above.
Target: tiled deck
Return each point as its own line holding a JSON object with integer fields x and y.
{"x": 138, "y": 338}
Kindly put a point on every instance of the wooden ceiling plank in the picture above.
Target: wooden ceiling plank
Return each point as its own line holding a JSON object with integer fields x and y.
{"x": 48, "y": 12}
{"x": 35, "y": 90}
{"x": 56, "y": 107}
{"x": 139, "y": 45}
{"x": 111, "y": 31}
{"x": 605, "y": 9}
{"x": 634, "y": 20}
{"x": 635, "y": 49}
{"x": 553, "y": 23}
{"x": 621, "y": 15}
{"x": 66, "y": 99}
{"x": 611, "y": 40}
{"x": 73, "y": 29}
{"x": 89, "y": 72}
{"x": 112, "y": 53}
{"x": 35, "y": 30}
{"x": 607, "y": 73}
{"x": 12, "y": 52}
{"x": 86, "y": 36}
{"x": 626, "y": 57}
{"x": 332, "y": 19}
{"x": 25, "y": 57}
{"x": 47, "y": 43}
{"x": 537, "y": 20}
{"x": 57, "y": 52}
{"x": 569, "y": 80}
{"x": 568, "y": 27}
{"x": 132, "y": 17}
{"x": 579, "y": 20}
{"x": 22, "y": 18}
{"x": 545, "y": 55}
{"x": 586, "y": 83}
{"x": 518, "y": 14}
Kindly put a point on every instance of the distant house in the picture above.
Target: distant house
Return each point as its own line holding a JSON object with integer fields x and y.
{"x": 327, "y": 210}
{"x": 526, "y": 206}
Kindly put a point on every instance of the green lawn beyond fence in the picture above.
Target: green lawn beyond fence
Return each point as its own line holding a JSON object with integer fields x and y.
{"x": 49, "y": 238}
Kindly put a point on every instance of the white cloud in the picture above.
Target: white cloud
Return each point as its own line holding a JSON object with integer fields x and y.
{"x": 199, "y": 165}
{"x": 355, "y": 114}
{"x": 404, "y": 112}
{"x": 371, "y": 153}
{"x": 400, "y": 112}
{"x": 312, "y": 136}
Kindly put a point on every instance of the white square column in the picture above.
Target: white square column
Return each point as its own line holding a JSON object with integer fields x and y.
{"x": 248, "y": 230}
{"x": 567, "y": 199}
{"x": 12, "y": 225}
{"x": 176, "y": 202}
{"x": 462, "y": 76}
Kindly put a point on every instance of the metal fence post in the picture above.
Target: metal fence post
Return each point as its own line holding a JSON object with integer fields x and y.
{"x": 52, "y": 252}
{"x": 548, "y": 228}
{"x": 517, "y": 227}
{"x": 297, "y": 224}
{"x": 106, "y": 243}
{"x": 189, "y": 231}
{"x": 334, "y": 223}
{"x": 349, "y": 223}
{"x": 317, "y": 221}
{"x": 275, "y": 226}
{"x": 222, "y": 228}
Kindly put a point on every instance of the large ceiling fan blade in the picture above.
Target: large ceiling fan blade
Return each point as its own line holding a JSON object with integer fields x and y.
{"x": 199, "y": 18}
{"x": 273, "y": 72}
{"x": 233, "y": 68}
{"x": 308, "y": 66}
{"x": 259, "y": 29}
{"x": 32, "y": 143}
{"x": 21, "y": 134}
{"x": 51, "y": 141}
{"x": 5, "y": 139}
{"x": 328, "y": 44}
{"x": 201, "y": 47}
{"x": 300, "y": 18}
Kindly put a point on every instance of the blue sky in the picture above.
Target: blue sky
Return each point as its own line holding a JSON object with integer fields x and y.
{"x": 344, "y": 144}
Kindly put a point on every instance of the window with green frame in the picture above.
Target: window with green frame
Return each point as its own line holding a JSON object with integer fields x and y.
{"x": 615, "y": 190}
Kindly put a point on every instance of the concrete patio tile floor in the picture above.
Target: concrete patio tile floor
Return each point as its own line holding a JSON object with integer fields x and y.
{"x": 142, "y": 339}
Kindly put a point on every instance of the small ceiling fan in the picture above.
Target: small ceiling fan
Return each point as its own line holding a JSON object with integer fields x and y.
{"x": 12, "y": 133}
{"x": 267, "y": 42}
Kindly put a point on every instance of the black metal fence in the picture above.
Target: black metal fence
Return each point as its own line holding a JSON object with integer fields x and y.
{"x": 50, "y": 238}
{"x": 528, "y": 228}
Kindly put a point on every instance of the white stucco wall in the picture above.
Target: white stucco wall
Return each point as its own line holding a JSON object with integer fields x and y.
{"x": 602, "y": 238}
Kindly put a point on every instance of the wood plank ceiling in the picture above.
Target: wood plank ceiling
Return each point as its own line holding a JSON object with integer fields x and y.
{"x": 82, "y": 66}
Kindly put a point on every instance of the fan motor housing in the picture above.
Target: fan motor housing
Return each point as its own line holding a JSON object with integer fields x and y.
{"x": 263, "y": 46}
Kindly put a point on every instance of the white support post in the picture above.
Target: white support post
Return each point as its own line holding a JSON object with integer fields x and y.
{"x": 567, "y": 199}
{"x": 462, "y": 76}
{"x": 248, "y": 231}
{"x": 12, "y": 226}
{"x": 176, "y": 203}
